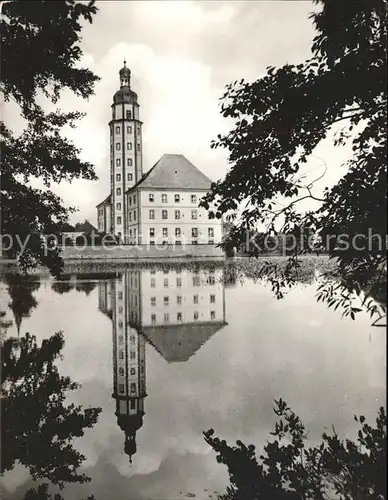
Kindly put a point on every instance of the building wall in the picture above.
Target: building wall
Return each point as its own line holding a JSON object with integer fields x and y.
{"x": 174, "y": 297}
{"x": 185, "y": 223}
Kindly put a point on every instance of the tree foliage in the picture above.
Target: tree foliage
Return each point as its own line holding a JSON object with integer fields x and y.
{"x": 288, "y": 469}
{"x": 37, "y": 426}
{"x": 41, "y": 56}
{"x": 282, "y": 117}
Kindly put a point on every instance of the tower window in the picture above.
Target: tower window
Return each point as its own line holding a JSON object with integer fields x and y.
{"x": 117, "y": 129}
{"x": 177, "y": 214}
{"x": 194, "y": 214}
{"x": 118, "y": 177}
{"x": 177, "y": 198}
{"x": 129, "y": 129}
{"x": 118, "y": 146}
{"x": 118, "y": 207}
{"x": 164, "y": 198}
{"x": 138, "y": 147}
{"x": 129, "y": 162}
{"x": 134, "y": 199}
{"x": 132, "y": 355}
{"x": 118, "y": 191}
{"x": 133, "y": 404}
{"x": 133, "y": 371}
{"x": 130, "y": 217}
{"x": 151, "y": 197}
{"x": 128, "y": 114}
{"x": 193, "y": 198}
{"x": 164, "y": 214}
{"x": 133, "y": 387}
{"x": 118, "y": 162}
{"x": 130, "y": 178}
{"x": 118, "y": 220}
{"x": 121, "y": 355}
{"x": 134, "y": 215}
{"x": 121, "y": 370}
{"x": 121, "y": 388}
{"x": 129, "y": 145}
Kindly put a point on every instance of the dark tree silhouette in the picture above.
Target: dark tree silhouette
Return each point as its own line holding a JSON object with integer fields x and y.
{"x": 20, "y": 288}
{"x": 62, "y": 287}
{"x": 52, "y": 30}
{"x": 37, "y": 427}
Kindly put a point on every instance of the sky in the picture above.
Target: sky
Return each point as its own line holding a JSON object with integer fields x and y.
{"x": 181, "y": 55}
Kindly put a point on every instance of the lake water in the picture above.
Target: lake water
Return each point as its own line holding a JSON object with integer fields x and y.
{"x": 170, "y": 353}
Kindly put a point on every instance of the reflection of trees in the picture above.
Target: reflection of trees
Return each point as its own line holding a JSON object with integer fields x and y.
{"x": 62, "y": 287}
{"x": 37, "y": 428}
{"x": 20, "y": 289}
{"x": 85, "y": 286}
{"x": 42, "y": 493}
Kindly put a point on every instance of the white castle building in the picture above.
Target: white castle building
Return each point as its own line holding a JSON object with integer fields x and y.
{"x": 161, "y": 206}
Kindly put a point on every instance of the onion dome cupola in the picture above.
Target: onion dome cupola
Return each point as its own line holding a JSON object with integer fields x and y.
{"x": 125, "y": 94}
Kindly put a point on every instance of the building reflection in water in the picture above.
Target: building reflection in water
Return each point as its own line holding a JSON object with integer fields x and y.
{"x": 175, "y": 310}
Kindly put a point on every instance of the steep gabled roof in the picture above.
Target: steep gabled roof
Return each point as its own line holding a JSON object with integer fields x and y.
{"x": 180, "y": 342}
{"x": 85, "y": 227}
{"x": 174, "y": 171}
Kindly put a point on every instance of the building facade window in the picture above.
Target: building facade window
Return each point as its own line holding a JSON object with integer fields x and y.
{"x": 166, "y": 317}
{"x": 210, "y": 232}
{"x": 121, "y": 388}
{"x": 193, "y": 198}
{"x": 129, "y": 146}
{"x": 179, "y": 282}
{"x": 118, "y": 220}
{"x": 194, "y": 232}
{"x": 165, "y": 231}
{"x": 134, "y": 215}
{"x": 164, "y": 214}
{"x": 152, "y": 214}
{"x": 212, "y": 299}
{"x": 138, "y": 147}
{"x": 177, "y": 231}
{"x": 196, "y": 315}
{"x": 118, "y": 206}
{"x": 121, "y": 370}
{"x": 129, "y": 177}
{"x": 164, "y": 198}
{"x": 179, "y": 317}
{"x": 165, "y": 282}
{"x": 179, "y": 299}
{"x": 178, "y": 242}
{"x": 118, "y": 177}
{"x": 177, "y": 198}
{"x": 195, "y": 299}
{"x": 121, "y": 354}
{"x": 166, "y": 300}
{"x": 129, "y": 129}
{"x": 153, "y": 301}
{"x": 118, "y": 146}
{"x": 133, "y": 371}
{"x": 133, "y": 387}
{"x": 212, "y": 315}
{"x": 128, "y": 114}
{"x": 132, "y": 354}
{"x": 134, "y": 199}
{"x": 177, "y": 214}
{"x": 153, "y": 318}
{"x": 129, "y": 162}
{"x": 152, "y": 232}
{"x": 118, "y": 162}
{"x": 118, "y": 129}
{"x": 194, "y": 214}
{"x": 118, "y": 191}
{"x": 151, "y": 197}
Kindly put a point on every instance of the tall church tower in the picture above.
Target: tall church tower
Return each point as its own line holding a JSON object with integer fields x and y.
{"x": 126, "y": 167}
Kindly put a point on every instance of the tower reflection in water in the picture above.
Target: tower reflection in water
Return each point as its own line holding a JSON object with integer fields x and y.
{"x": 175, "y": 310}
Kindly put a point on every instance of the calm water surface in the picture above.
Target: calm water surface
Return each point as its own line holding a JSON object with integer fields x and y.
{"x": 169, "y": 354}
